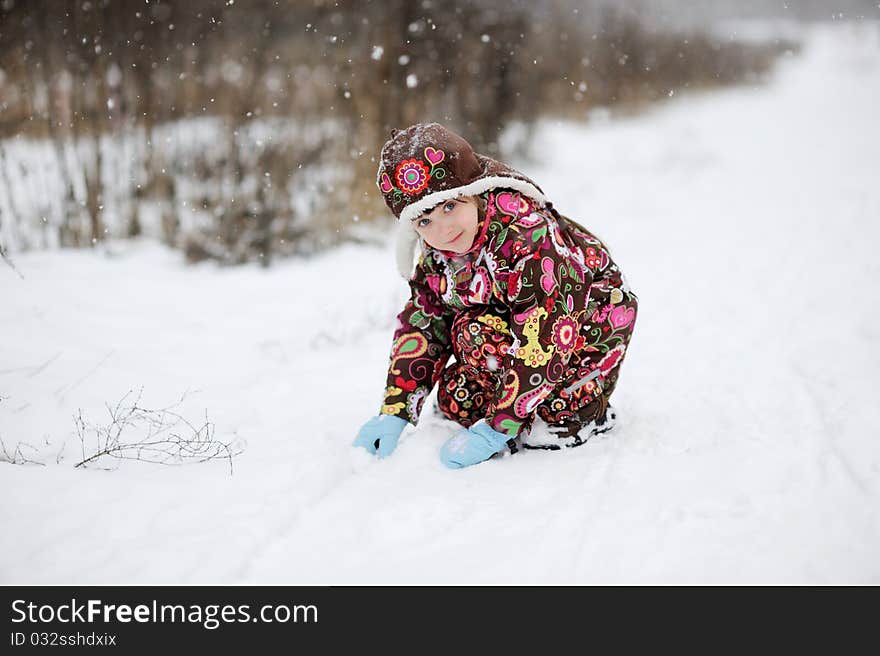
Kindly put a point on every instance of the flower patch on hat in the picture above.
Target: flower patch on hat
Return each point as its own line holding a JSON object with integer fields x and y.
{"x": 413, "y": 175}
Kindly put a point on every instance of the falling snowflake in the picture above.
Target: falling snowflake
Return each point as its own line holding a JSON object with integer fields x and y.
{"x": 412, "y": 80}
{"x": 377, "y": 53}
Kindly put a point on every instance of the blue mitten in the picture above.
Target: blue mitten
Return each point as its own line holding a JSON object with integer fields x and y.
{"x": 472, "y": 445}
{"x": 380, "y": 434}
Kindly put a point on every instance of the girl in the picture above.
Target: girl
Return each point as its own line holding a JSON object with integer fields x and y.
{"x": 531, "y": 305}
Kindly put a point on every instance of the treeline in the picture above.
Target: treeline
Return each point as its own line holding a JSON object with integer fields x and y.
{"x": 243, "y": 130}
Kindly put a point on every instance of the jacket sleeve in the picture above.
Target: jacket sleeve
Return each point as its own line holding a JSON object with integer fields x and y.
{"x": 546, "y": 287}
{"x": 420, "y": 348}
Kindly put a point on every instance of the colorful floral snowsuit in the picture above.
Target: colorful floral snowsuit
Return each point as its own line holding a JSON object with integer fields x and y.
{"x": 537, "y": 315}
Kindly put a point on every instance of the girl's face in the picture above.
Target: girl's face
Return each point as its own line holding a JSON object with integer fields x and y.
{"x": 451, "y": 226}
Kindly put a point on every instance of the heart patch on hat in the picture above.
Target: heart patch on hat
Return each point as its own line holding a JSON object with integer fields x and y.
{"x": 434, "y": 156}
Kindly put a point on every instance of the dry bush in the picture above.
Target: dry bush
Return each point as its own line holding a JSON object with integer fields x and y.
{"x": 161, "y": 436}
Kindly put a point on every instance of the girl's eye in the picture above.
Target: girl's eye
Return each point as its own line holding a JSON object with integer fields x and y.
{"x": 423, "y": 223}
{"x": 450, "y": 206}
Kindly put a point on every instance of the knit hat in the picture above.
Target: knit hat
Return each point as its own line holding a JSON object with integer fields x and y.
{"x": 426, "y": 164}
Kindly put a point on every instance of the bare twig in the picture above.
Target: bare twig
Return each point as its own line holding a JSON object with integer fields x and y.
{"x": 16, "y": 456}
{"x": 160, "y": 436}
{"x": 9, "y": 262}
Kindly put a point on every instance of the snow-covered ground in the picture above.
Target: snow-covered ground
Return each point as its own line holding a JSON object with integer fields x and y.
{"x": 746, "y": 220}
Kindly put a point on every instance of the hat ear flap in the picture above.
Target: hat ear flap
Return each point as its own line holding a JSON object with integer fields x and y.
{"x": 405, "y": 245}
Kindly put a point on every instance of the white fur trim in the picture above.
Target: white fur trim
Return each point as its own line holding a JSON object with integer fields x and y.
{"x": 474, "y": 188}
{"x": 407, "y": 237}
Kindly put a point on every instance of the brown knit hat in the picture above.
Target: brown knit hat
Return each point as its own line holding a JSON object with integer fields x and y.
{"x": 426, "y": 164}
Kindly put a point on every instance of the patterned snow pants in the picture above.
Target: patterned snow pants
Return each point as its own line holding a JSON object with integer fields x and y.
{"x": 468, "y": 385}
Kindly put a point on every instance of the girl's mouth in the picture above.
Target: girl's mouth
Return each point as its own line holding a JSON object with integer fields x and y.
{"x": 452, "y": 241}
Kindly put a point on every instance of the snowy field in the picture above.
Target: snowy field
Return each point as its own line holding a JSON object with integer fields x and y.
{"x": 747, "y": 220}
